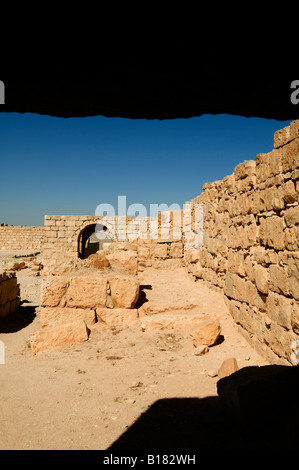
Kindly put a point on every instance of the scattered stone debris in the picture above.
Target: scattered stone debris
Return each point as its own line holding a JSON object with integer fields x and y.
{"x": 201, "y": 350}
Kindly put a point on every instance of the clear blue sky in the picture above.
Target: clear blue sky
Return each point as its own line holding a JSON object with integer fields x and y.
{"x": 68, "y": 166}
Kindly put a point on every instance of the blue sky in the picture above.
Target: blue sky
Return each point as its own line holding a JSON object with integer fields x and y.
{"x": 68, "y": 166}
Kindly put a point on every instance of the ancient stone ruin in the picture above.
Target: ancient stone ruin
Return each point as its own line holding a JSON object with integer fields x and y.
{"x": 249, "y": 254}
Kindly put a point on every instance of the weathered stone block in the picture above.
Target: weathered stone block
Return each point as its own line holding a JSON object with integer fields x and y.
{"x": 84, "y": 292}
{"x": 124, "y": 292}
{"x": 67, "y": 333}
{"x": 279, "y": 309}
{"x": 196, "y": 270}
{"x": 261, "y": 276}
{"x": 176, "y": 250}
{"x": 171, "y": 321}
{"x": 98, "y": 260}
{"x": 144, "y": 253}
{"x": 206, "y": 332}
{"x": 235, "y": 263}
{"x": 117, "y": 316}
{"x": 291, "y": 216}
{"x": 51, "y": 316}
{"x": 293, "y": 275}
{"x": 289, "y": 156}
{"x": 292, "y": 238}
{"x": 275, "y": 162}
{"x": 271, "y": 232}
{"x": 263, "y": 167}
{"x": 279, "y": 279}
{"x": 127, "y": 260}
{"x": 53, "y": 292}
{"x": 290, "y": 194}
{"x": 295, "y": 317}
{"x": 159, "y": 250}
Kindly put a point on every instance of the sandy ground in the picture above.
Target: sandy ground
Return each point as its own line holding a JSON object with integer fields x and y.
{"x": 88, "y": 395}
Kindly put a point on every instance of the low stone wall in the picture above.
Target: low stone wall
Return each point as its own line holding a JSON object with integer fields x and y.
{"x": 251, "y": 241}
{"x": 21, "y": 237}
{"x": 72, "y": 303}
{"x": 9, "y": 293}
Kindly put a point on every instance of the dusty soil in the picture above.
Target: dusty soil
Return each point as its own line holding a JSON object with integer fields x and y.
{"x": 88, "y": 395}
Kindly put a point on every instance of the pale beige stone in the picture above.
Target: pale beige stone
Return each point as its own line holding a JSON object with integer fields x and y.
{"x": 98, "y": 260}
{"x": 176, "y": 250}
{"x": 53, "y": 292}
{"x": 124, "y": 292}
{"x": 144, "y": 253}
{"x": 279, "y": 279}
{"x": 293, "y": 276}
{"x": 282, "y": 137}
{"x": 290, "y": 194}
{"x": 159, "y": 250}
{"x": 291, "y": 216}
{"x": 206, "y": 333}
{"x": 167, "y": 264}
{"x": 85, "y": 292}
{"x": 174, "y": 320}
{"x": 67, "y": 333}
{"x": 247, "y": 168}
{"x": 117, "y": 316}
{"x": 228, "y": 367}
{"x": 192, "y": 256}
{"x": 279, "y": 309}
{"x": 289, "y": 156}
{"x": 50, "y": 316}
{"x": 261, "y": 276}
{"x": 295, "y": 317}
{"x": 127, "y": 260}
{"x": 196, "y": 270}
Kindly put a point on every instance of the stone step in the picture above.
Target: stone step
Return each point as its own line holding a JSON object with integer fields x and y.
{"x": 149, "y": 308}
{"x": 173, "y": 320}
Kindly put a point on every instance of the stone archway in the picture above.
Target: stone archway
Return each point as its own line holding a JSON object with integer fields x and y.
{"x": 87, "y": 246}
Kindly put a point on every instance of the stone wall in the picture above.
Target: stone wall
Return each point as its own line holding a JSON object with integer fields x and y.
{"x": 72, "y": 303}
{"x": 9, "y": 293}
{"x": 251, "y": 241}
{"x": 155, "y": 240}
{"x": 21, "y": 237}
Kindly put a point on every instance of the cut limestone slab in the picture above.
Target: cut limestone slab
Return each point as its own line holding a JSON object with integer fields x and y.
{"x": 67, "y": 333}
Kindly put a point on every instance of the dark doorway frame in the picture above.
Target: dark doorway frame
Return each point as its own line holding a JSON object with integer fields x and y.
{"x": 84, "y": 235}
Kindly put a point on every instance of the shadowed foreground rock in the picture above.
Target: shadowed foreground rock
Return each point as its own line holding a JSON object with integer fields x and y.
{"x": 267, "y": 394}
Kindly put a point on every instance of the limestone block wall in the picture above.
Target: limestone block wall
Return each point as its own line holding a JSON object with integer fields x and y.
{"x": 157, "y": 240}
{"x": 250, "y": 246}
{"x": 9, "y": 293}
{"x": 21, "y": 237}
{"x": 71, "y": 304}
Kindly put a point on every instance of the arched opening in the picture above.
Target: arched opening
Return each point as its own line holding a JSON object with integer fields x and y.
{"x": 91, "y": 239}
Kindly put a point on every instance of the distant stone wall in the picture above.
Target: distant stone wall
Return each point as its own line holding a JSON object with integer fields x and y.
{"x": 21, "y": 237}
{"x": 251, "y": 241}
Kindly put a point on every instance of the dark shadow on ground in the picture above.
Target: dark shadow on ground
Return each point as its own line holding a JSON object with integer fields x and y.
{"x": 18, "y": 320}
{"x": 257, "y": 408}
{"x": 142, "y": 295}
